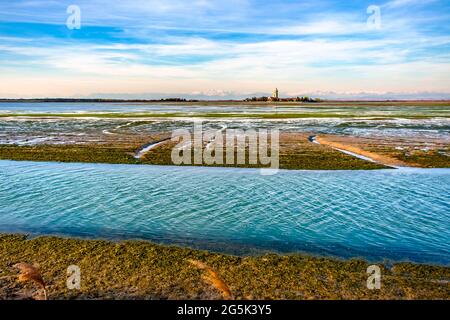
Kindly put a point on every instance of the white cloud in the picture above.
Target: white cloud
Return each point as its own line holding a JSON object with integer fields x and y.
{"x": 405, "y": 3}
{"x": 321, "y": 50}
{"x": 309, "y": 65}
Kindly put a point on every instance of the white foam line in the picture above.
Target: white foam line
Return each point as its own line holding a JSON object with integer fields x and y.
{"x": 354, "y": 154}
{"x": 313, "y": 140}
{"x": 146, "y": 149}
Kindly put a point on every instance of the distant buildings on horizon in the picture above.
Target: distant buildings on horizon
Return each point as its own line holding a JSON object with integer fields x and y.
{"x": 276, "y": 97}
{"x": 273, "y": 98}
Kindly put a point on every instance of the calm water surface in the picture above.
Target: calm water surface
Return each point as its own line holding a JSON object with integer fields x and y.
{"x": 387, "y": 214}
{"x": 127, "y": 107}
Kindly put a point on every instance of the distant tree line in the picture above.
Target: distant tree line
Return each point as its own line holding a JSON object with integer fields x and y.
{"x": 97, "y": 100}
{"x": 294, "y": 99}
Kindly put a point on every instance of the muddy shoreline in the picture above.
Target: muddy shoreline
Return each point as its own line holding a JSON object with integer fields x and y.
{"x": 145, "y": 270}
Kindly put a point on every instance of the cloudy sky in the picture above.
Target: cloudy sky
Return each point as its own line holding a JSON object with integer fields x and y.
{"x": 225, "y": 48}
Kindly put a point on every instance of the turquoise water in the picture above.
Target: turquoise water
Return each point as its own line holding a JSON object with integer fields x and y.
{"x": 388, "y": 214}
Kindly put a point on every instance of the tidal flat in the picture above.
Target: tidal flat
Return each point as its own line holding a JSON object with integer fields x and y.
{"x": 405, "y": 133}
{"x": 145, "y": 270}
{"x": 296, "y": 153}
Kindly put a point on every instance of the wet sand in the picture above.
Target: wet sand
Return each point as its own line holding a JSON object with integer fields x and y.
{"x": 398, "y": 152}
{"x": 383, "y": 159}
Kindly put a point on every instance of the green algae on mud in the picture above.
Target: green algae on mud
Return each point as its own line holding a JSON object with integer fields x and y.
{"x": 306, "y": 156}
{"x": 92, "y": 153}
{"x": 145, "y": 270}
{"x": 296, "y": 153}
{"x": 431, "y": 159}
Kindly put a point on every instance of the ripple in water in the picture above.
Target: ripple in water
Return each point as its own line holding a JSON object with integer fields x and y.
{"x": 387, "y": 214}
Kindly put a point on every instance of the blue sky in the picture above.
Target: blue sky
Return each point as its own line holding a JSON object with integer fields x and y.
{"x": 225, "y": 49}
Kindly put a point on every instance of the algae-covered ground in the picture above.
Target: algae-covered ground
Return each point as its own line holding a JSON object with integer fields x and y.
{"x": 92, "y": 153}
{"x": 144, "y": 270}
{"x": 296, "y": 152}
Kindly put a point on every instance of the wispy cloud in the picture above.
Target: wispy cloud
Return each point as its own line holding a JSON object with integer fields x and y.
{"x": 217, "y": 47}
{"x": 406, "y": 3}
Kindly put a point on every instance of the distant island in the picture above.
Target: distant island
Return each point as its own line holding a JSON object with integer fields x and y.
{"x": 263, "y": 99}
{"x": 253, "y": 99}
{"x": 97, "y": 100}
{"x": 274, "y": 98}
